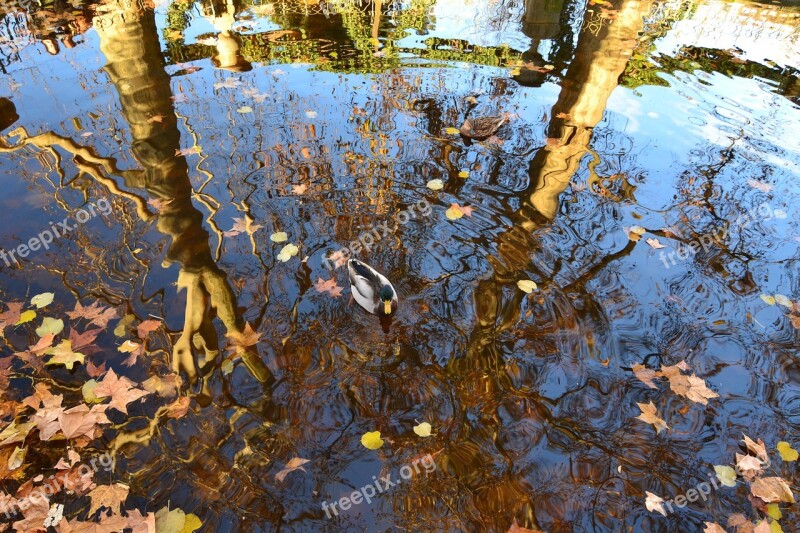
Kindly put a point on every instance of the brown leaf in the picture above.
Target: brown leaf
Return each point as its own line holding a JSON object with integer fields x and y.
{"x": 330, "y": 286}
{"x": 299, "y": 189}
{"x": 245, "y": 339}
{"x": 646, "y": 375}
{"x": 10, "y": 316}
{"x": 295, "y": 463}
{"x": 653, "y": 503}
{"x": 516, "y": 528}
{"x": 120, "y": 389}
{"x": 690, "y": 387}
{"x": 179, "y": 407}
{"x": 81, "y": 341}
{"x": 772, "y": 489}
{"x": 758, "y": 448}
{"x": 713, "y": 527}
{"x": 110, "y": 496}
{"x": 749, "y": 466}
{"x": 165, "y": 386}
{"x": 147, "y": 327}
{"x": 650, "y": 416}
{"x": 338, "y": 257}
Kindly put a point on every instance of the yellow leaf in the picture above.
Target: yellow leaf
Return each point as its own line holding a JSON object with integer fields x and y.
{"x": 279, "y": 236}
{"x": 423, "y": 429}
{"x": 775, "y": 527}
{"x": 16, "y": 458}
{"x": 50, "y": 325}
{"x": 783, "y": 300}
{"x": 650, "y": 416}
{"x": 128, "y": 346}
{"x": 774, "y": 511}
{"x": 245, "y": 109}
{"x": 25, "y": 317}
{"x": 726, "y": 475}
{"x": 451, "y": 131}
{"x": 372, "y": 440}
{"x": 192, "y": 523}
{"x": 435, "y": 185}
{"x": 527, "y": 285}
{"x": 787, "y": 452}
{"x": 514, "y": 72}
{"x": 287, "y": 252}
{"x": 63, "y": 355}
{"x": 769, "y": 300}
{"x": 88, "y": 392}
{"x": 463, "y": 174}
{"x": 43, "y": 300}
{"x": 454, "y": 212}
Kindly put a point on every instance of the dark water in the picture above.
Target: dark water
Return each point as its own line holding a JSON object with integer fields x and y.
{"x": 325, "y": 121}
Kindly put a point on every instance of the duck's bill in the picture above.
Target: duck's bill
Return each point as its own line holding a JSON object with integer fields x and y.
{"x": 387, "y": 307}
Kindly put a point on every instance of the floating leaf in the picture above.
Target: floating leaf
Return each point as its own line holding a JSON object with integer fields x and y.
{"x": 769, "y": 300}
{"x": 122, "y": 325}
{"x": 527, "y": 285}
{"x": 295, "y": 463}
{"x": 452, "y": 131}
{"x": 774, "y": 511}
{"x": 787, "y": 452}
{"x": 653, "y": 503}
{"x": 454, "y": 212}
{"x": 772, "y": 489}
{"x": 128, "y": 346}
{"x": 463, "y": 174}
{"x": 16, "y": 458}
{"x": 646, "y": 375}
{"x": 88, "y": 392}
{"x": 64, "y": 355}
{"x": 435, "y": 185}
{"x": 423, "y": 429}
{"x": 245, "y": 109}
{"x": 713, "y": 527}
{"x": 726, "y": 475}
{"x": 26, "y": 316}
{"x": 330, "y": 286}
{"x": 654, "y": 243}
{"x": 311, "y": 114}
{"x": 635, "y": 232}
{"x": 279, "y": 236}
{"x": 650, "y": 416}
{"x": 372, "y": 440}
{"x": 758, "y": 448}
{"x": 176, "y": 521}
{"x": 43, "y": 300}
{"x": 783, "y": 300}
{"x": 50, "y": 326}
{"x": 287, "y": 252}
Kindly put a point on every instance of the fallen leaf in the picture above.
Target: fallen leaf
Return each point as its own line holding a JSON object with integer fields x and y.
{"x": 245, "y": 339}
{"x": 328, "y": 286}
{"x": 774, "y": 511}
{"x": 64, "y": 355}
{"x": 463, "y": 174}
{"x": 635, "y": 232}
{"x": 527, "y": 285}
{"x": 175, "y": 521}
{"x": 690, "y": 387}
{"x": 726, "y": 475}
{"x": 713, "y": 527}
{"x": 653, "y": 502}
{"x": 146, "y": 327}
{"x": 43, "y": 300}
{"x": 294, "y": 464}
{"x": 240, "y": 226}
{"x": 771, "y": 489}
{"x": 454, "y": 212}
{"x": 110, "y": 496}
{"x": 787, "y": 452}
{"x": 244, "y": 109}
{"x": 516, "y": 528}
{"x": 435, "y": 184}
{"x": 10, "y": 315}
{"x": 188, "y": 151}
{"x": 769, "y": 300}
{"x": 467, "y": 210}
{"x": 654, "y": 243}
{"x": 338, "y": 257}
{"x": 763, "y": 187}
{"x": 16, "y": 458}
{"x": 423, "y": 429}
{"x": 650, "y": 416}
{"x": 120, "y": 389}
{"x": 156, "y": 118}
{"x": 452, "y": 131}
{"x": 758, "y": 448}
{"x": 299, "y": 189}
{"x": 372, "y": 440}
{"x": 311, "y": 114}
{"x": 646, "y": 375}
{"x": 748, "y": 466}
{"x": 52, "y": 326}
{"x": 122, "y": 325}
{"x": 279, "y": 236}
{"x": 287, "y": 252}
{"x": 780, "y": 299}
{"x": 179, "y": 407}
{"x": 26, "y": 317}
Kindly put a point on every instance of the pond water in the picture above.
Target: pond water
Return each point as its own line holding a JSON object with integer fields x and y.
{"x": 198, "y": 130}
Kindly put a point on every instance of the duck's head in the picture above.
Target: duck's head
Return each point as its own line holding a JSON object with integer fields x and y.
{"x": 387, "y": 295}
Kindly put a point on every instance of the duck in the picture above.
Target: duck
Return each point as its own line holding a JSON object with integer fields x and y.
{"x": 482, "y": 127}
{"x": 371, "y": 290}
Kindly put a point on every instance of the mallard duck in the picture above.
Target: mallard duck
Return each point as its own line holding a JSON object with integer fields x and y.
{"x": 482, "y": 127}
{"x": 371, "y": 289}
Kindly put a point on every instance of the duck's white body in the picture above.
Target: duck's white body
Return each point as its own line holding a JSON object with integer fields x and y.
{"x": 367, "y": 284}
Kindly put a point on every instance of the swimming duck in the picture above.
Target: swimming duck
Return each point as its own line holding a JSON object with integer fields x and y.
{"x": 483, "y": 127}
{"x": 371, "y": 289}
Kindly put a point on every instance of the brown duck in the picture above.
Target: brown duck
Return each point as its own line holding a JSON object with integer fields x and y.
{"x": 482, "y": 127}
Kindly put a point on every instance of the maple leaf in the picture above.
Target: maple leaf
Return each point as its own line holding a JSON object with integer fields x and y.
{"x": 42, "y": 397}
{"x": 95, "y": 371}
{"x": 165, "y": 386}
{"x": 295, "y": 463}
{"x": 43, "y": 345}
{"x": 650, "y": 416}
{"x": 133, "y": 348}
{"x": 243, "y": 340}
{"x": 772, "y": 489}
{"x": 80, "y": 420}
{"x": 188, "y": 151}
{"x": 89, "y": 312}
{"x": 141, "y": 523}
{"x": 654, "y": 243}
{"x": 147, "y": 327}
{"x": 120, "y": 389}
{"x": 299, "y": 189}
{"x": 63, "y": 354}
{"x": 467, "y": 210}
{"x": 104, "y": 317}
{"x": 35, "y": 515}
{"x": 10, "y": 315}
{"x": 690, "y": 387}
{"x": 646, "y": 375}
{"x": 82, "y": 341}
{"x": 46, "y": 421}
{"x": 110, "y": 496}
{"x": 653, "y": 502}
{"x": 328, "y": 286}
